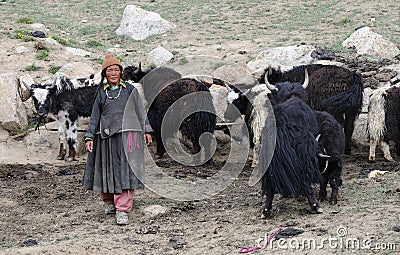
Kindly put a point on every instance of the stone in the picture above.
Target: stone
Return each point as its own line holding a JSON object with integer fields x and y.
{"x": 78, "y": 52}
{"x": 367, "y": 42}
{"x": 154, "y": 210}
{"x": 76, "y": 70}
{"x": 159, "y": 56}
{"x": 138, "y": 24}
{"x": 238, "y": 75}
{"x": 13, "y": 116}
{"x": 285, "y": 57}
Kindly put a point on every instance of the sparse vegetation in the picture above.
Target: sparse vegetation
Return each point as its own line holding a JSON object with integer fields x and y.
{"x": 32, "y": 67}
{"x": 25, "y": 21}
{"x": 42, "y": 54}
{"x": 54, "y": 69}
{"x": 60, "y": 40}
{"x": 93, "y": 43}
{"x": 183, "y": 61}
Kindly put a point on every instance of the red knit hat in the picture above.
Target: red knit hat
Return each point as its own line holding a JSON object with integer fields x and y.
{"x": 109, "y": 61}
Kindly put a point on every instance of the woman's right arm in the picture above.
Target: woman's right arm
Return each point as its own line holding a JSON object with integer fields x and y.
{"x": 93, "y": 123}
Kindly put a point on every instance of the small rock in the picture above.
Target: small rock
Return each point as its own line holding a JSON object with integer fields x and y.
{"x": 288, "y": 233}
{"x": 36, "y": 168}
{"x": 396, "y": 228}
{"x": 154, "y": 210}
{"x": 177, "y": 242}
{"x": 30, "y": 242}
{"x": 64, "y": 171}
{"x": 38, "y": 34}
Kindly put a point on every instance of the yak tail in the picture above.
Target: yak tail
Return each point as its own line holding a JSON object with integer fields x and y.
{"x": 293, "y": 168}
{"x": 376, "y": 115}
{"x": 350, "y": 99}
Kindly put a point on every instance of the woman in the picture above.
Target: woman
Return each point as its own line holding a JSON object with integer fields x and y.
{"x": 115, "y": 163}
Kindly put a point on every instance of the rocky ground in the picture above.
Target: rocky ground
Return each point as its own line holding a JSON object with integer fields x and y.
{"x": 45, "y": 211}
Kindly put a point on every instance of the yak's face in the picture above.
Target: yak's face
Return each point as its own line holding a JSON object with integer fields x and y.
{"x": 133, "y": 73}
{"x": 41, "y": 95}
{"x": 287, "y": 90}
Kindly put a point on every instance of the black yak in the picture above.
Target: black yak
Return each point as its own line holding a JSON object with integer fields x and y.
{"x": 294, "y": 164}
{"x": 164, "y": 88}
{"x": 330, "y": 152}
{"x": 333, "y": 89}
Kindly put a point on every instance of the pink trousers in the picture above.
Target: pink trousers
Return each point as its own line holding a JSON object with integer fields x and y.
{"x": 122, "y": 202}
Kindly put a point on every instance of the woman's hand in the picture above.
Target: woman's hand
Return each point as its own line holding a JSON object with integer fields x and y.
{"x": 89, "y": 146}
{"x": 148, "y": 139}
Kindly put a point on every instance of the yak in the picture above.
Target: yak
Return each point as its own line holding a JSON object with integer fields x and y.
{"x": 384, "y": 120}
{"x": 294, "y": 164}
{"x": 330, "y": 154}
{"x": 64, "y": 102}
{"x": 333, "y": 89}
{"x": 165, "y": 90}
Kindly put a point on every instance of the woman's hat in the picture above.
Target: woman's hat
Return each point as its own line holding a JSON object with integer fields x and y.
{"x": 109, "y": 61}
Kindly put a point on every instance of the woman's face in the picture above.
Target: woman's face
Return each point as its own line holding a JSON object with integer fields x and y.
{"x": 113, "y": 74}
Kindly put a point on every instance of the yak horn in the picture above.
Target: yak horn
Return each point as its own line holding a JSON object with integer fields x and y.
{"x": 317, "y": 138}
{"x": 227, "y": 86}
{"x": 24, "y": 94}
{"x": 323, "y": 155}
{"x": 139, "y": 69}
{"x": 305, "y": 84}
{"x": 269, "y": 85}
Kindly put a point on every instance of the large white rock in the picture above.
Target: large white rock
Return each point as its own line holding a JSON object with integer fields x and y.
{"x": 12, "y": 111}
{"x": 237, "y": 75}
{"x": 367, "y": 42}
{"x": 285, "y": 57}
{"x": 159, "y": 56}
{"x": 138, "y": 24}
{"x": 76, "y": 70}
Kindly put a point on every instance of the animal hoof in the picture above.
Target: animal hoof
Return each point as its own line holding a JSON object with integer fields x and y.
{"x": 69, "y": 159}
{"x": 334, "y": 199}
{"x": 266, "y": 214}
{"x": 60, "y": 158}
{"x": 347, "y": 151}
{"x": 157, "y": 156}
{"x": 317, "y": 209}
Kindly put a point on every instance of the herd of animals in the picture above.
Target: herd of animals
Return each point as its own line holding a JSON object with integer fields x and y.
{"x": 314, "y": 109}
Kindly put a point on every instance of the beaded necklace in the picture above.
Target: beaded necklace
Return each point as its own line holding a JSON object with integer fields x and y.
{"x": 116, "y": 97}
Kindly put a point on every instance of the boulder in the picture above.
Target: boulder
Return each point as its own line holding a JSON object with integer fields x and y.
{"x": 12, "y": 111}
{"x": 76, "y": 70}
{"x": 237, "y": 75}
{"x": 159, "y": 56}
{"x": 285, "y": 57}
{"x": 138, "y": 24}
{"x": 367, "y": 42}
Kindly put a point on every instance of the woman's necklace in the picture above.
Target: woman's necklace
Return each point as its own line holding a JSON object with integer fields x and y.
{"x": 116, "y": 97}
